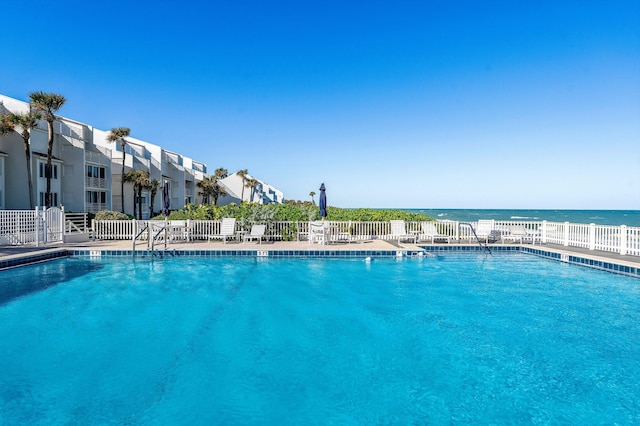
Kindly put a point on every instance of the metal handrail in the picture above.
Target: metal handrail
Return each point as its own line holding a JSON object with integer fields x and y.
{"x": 485, "y": 247}
{"x": 153, "y": 240}
{"x": 136, "y": 237}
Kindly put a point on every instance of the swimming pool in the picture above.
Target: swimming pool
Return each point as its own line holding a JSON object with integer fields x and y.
{"x": 462, "y": 338}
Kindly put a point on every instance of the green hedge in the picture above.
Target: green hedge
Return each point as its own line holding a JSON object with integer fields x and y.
{"x": 259, "y": 213}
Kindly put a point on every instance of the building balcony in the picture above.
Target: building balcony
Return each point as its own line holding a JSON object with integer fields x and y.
{"x": 96, "y": 207}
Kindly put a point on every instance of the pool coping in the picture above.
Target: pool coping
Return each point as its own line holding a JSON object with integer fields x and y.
{"x": 627, "y": 267}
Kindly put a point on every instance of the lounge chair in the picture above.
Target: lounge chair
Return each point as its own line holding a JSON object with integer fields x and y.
{"x": 227, "y": 230}
{"x": 430, "y": 232}
{"x": 519, "y": 233}
{"x": 399, "y": 231}
{"x": 319, "y": 232}
{"x": 178, "y": 230}
{"x": 486, "y": 232}
{"x": 257, "y": 233}
{"x": 516, "y": 233}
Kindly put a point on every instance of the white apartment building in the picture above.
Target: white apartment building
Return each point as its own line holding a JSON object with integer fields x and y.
{"x": 263, "y": 193}
{"x": 2, "y": 157}
{"x": 86, "y": 169}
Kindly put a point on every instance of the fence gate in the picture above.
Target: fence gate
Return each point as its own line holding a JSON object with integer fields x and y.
{"x": 53, "y": 224}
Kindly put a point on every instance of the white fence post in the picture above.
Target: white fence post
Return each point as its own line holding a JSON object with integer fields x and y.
{"x": 36, "y": 230}
{"x": 592, "y": 236}
{"x": 566, "y": 234}
{"x": 543, "y": 237}
{"x": 623, "y": 239}
{"x": 62, "y": 223}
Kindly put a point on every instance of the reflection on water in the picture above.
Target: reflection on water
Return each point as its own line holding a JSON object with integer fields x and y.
{"x": 49, "y": 274}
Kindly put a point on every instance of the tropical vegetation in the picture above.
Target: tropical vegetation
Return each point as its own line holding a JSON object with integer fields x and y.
{"x": 140, "y": 181}
{"x": 22, "y": 123}
{"x": 243, "y": 175}
{"x": 292, "y": 212}
{"x": 111, "y": 215}
{"x": 47, "y": 104}
{"x": 120, "y": 134}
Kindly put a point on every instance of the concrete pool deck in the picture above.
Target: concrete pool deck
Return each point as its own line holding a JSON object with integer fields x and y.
{"x": 12, "y": 256}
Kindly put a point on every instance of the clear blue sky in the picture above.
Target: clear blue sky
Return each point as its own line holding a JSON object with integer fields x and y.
{"x": 424, "y": 104}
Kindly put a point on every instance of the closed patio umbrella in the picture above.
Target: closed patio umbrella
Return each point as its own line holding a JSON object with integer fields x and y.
{"x": 323, "y": 201}
{"x": 166, "y": 201}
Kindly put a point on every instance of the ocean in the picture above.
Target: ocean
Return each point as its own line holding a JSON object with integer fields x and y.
{"x": 599, "y": 217}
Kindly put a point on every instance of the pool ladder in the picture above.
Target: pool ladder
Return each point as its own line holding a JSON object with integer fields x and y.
{"x": 485, "y": 248}
{"x": 151, "y": 241}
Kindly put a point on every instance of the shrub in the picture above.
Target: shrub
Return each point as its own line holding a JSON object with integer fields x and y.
{"x": 111, "y": 215}
{"x": 249, "y": 213}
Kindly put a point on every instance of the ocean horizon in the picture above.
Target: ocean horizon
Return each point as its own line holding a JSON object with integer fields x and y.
{"x": 599, "y": 217}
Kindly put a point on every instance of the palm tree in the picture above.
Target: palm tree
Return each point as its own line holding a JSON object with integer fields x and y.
{"x": 243, "y": 174}
{"x": 140, "y": 180}
{"x": 119, "y": 134}
{"x": 47, "y": 104}
{"x": 312, "y": 200}
{"x": 6, "y": 126}
{"x": 252, "y": 183}
{"x": 221, "y": 173}
{"x": 25, "y": 122}
{"x": 219, "y": 191}
{"x": 208, "y": 188}
{"x": 130, "y": 177}
{"x": 152, "y": 186}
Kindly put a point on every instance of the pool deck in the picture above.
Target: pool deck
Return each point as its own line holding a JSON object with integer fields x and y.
{"x": 17, "y": 255}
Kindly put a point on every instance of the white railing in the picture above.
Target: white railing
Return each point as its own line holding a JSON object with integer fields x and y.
{"x": 616, "y": 239}
{"x": 75, "y": 223}
{"x": 19, "y": 227}
{"x": 94, "y": 182}
{"x": 39, "y": 226}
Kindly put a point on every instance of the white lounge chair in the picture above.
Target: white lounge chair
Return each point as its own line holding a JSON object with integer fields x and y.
{"x": 430, "y": 232}
{"x": 486, "y": 232}
{"x": 399, "y": 231}
{"x": 257, "y": 233}
{"x": 178, "y": 230}
{"x": 519, "y": 233}
{"x": 516, "y": 233}
{"x": 319, "y": 232}
{"x": 227, "y": 230}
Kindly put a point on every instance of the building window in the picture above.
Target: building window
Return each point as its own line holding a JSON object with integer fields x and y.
{"x": 95, "y": 172}
{"x": 96, "y": 197}
{"x": 54, "y": 199}
{"x": 43, "y": 167}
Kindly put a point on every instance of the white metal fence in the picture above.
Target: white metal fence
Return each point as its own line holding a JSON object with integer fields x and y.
{"x": 39, "y": 226}
{"x": 18, "y": 227}
{"x": 616, "y": 239}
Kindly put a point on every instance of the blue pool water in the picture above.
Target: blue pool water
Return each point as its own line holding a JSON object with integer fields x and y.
{"x": 509, "y": 339}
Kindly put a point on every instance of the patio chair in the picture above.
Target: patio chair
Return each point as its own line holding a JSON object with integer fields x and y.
{"x": 227, "y": 230}
{"x": 429, "y": 231}
{"x": 516, "y": 233}
{"x": 486, "y": 232}
{"x": 257, "y": 233}
{"x": 178, "y": 230}
{"x": 399, "y": 231}
{"x": 319, "y": 232}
